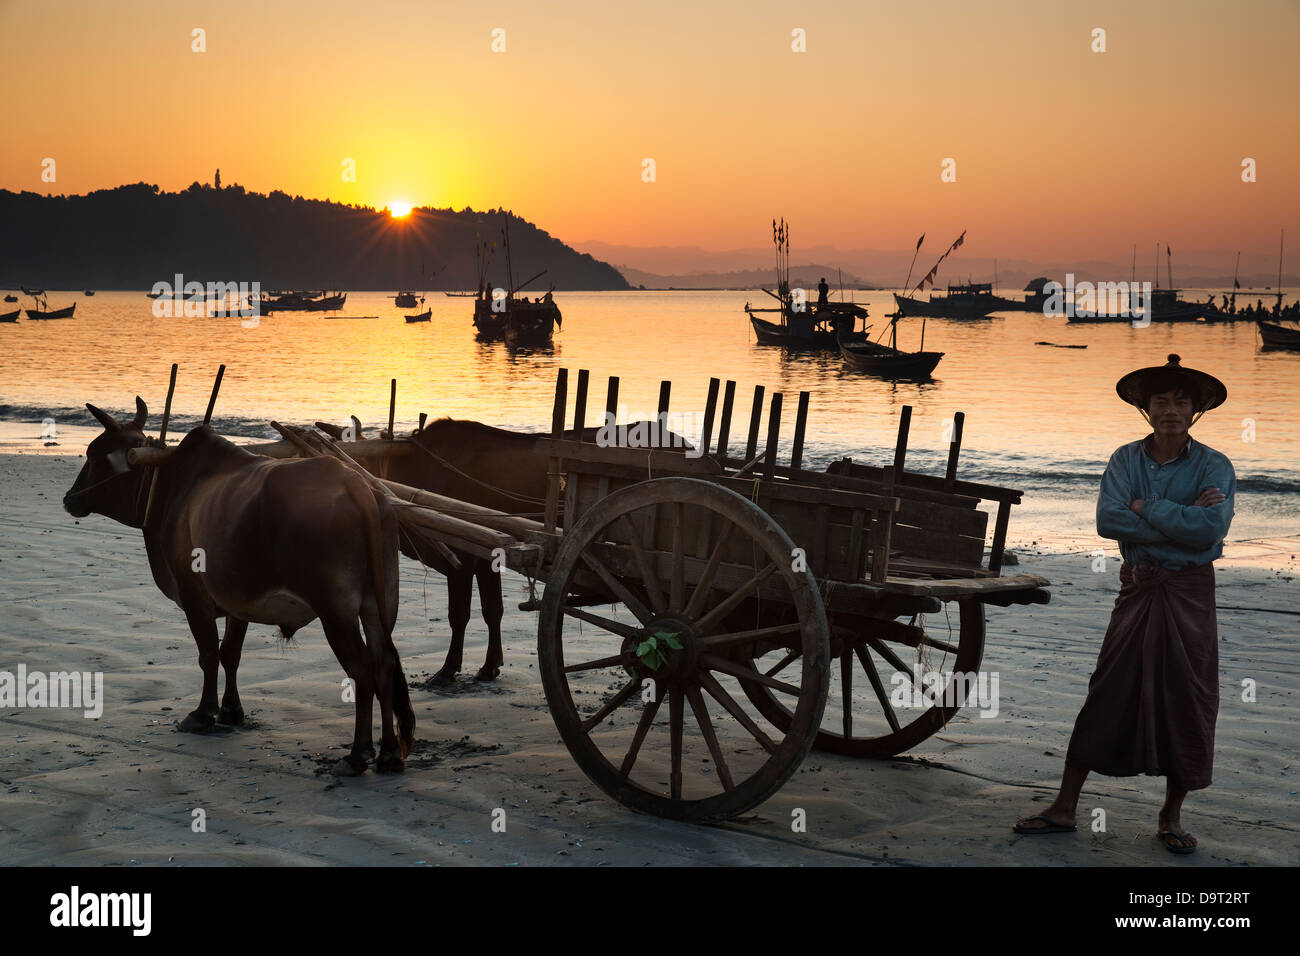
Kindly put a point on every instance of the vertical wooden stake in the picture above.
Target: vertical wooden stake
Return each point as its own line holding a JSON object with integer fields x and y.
{"x": 954, "y": 451}
{"x": 724, "y": 426}
{"x": 900, "y": 447}
{"x": 392, "y": 410}
{"x": 755, "y": 418}
{"x": 554, "y": 474}
{"x": 710, "y": 406}
{"x": 212, "y": 401}
{"x": 773, "y": 435}
{"x": 800, "y": 424}
{"x": 580, "y": 404}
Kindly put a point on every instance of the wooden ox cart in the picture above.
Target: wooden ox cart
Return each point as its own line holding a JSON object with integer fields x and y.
{"x": 773, "y": 608}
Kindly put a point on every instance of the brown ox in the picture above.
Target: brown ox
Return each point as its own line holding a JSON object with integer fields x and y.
{"x": 235, "y": 535}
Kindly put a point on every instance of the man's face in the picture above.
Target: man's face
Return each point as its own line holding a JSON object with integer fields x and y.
{"x": 1171, "y": 413}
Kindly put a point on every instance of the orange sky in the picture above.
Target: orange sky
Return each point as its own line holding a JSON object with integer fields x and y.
{"x": 1060, "y": 151}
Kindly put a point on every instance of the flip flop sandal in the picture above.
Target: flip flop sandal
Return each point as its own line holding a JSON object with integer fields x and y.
{"x": 1164, "y": 836}
{"x": 1052, "y": 826}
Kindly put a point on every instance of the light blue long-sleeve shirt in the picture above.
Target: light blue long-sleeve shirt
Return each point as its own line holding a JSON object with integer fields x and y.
{"x": 1171, "y": 529}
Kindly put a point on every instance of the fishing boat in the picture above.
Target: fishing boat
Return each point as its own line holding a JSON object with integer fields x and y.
{"x": 461, "y": 295}
{"x": 35, "y": 293}
{"x": 1165, "y": 306}
{"x": 803, "y": 324}
{"x": 1278, "y": 336}
{"x": 405, "y": 300}
{"x": 11, "y": 298}
{"x": 310, "y": 301}
{"x": 425, "y": 316}
{"x": 45, "y": 312}
{"x": 517, "y": 320}
{"x": 10, "y": 316}
{"x": 971, "y": 300}
{"x": 888, "y": 361}
{"x": 90, "y": 292}
{"x": 1036, "y": 297}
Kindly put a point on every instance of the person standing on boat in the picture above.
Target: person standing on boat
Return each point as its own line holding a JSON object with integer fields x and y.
{"x": 1154, "y": 697}
{"x": 823, "y": 293}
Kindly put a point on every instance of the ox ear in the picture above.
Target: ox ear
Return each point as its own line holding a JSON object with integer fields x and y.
{"x": 141, "y": 413}
{"x": 104, "y": 418}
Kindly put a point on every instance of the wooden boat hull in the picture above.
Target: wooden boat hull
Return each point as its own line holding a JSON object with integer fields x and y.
{"x": 977, "y": 307}
{"x": 770, "y": 333}
{"x": 36, "y": 314}
{"x": 519, "y": 322}
{"x": 405, "y": 300}
{"x": 1278, "y": 336}
{"x": 329, "y": 303}
{"x": 424, "y": 316}
{"x": 876, "y": 359}
{"x": 10, "y": 316}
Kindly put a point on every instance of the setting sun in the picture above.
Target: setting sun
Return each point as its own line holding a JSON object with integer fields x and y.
{"x": 399, "y": 208}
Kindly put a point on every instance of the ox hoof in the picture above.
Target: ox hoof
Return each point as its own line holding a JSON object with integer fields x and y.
{"x": 350, "y": 766}
{"x": 444, "y": 678}
{"x": 234, "y": 716}
{"x": 196, "y": 722}
{"x": 488, "y": 672}
{"x": 390, "y": 761}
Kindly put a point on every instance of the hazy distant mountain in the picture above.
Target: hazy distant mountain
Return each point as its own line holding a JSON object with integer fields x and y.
{"x": 680, "y": 266}
{"x": 133, "y": 236}
{"x": 805, "y": 277}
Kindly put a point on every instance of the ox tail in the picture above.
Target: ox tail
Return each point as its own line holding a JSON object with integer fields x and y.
{"x": 367, "y": 503}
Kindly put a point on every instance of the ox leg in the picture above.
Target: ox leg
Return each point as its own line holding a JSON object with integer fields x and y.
{"x": 231, "y": 645}
{"x": 387, "y": 671}
{"x": 203, "y": 626}
{"x": 492, "y": 606}
{"x": 344, "y": 637}
{"x": 460, "y": 591}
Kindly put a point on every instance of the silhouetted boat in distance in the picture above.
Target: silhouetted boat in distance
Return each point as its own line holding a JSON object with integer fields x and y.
{"x": 972, "y": 300}
{"x": 31, "y": 292}
{"x": 517, "y": 320}
{"x": 1278, "y": 336}
{"x": 90, "y": 292}
{"x": 1164, "y": 306}
{"x": 10, "y": 316}
{"x": 888, "y": 361}
{"x": 424, "y": 316}
{"x": 45, "y": 312}
{"x": 311, "y": 301}
{"x": 803, "y": 324}
{"x": 463, "y": 295}
{"x": 405, "y": 300}
{"x": 11, "y": 298}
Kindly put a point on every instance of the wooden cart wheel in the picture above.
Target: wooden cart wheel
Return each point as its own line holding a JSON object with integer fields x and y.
{"x": 726, "y": 760}
{"x": 865, "y": 657}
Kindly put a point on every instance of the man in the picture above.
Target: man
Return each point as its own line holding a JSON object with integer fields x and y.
{"x": 1154, "y": 697}
{"x": 823, "y": 292}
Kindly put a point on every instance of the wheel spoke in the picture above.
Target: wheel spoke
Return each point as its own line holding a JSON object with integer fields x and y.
{"x": 617, "y": 700}
{"x": 620, "y": 589}
{"x": 869, "y": 666}
{"x": 649, "y": 576}
{"x": 677, "y": 583}
{"x": 614, "y": 661}
{"x": 929, "y": 641}
{"x": 706, "y": 728}
{"x": 604, "y": 623}
{"x": 887, "y": 653}
{"x": 642, "y": 727}
{"x": 846, "y": 685}
{"x": 740, "y": 637}
{"x": 784, "y": 662}
{"x": 742, "y": 673}
{"x": 720, "y": 611}
{"x": 719, "y": 693}
{"x": 675, "y": 732}
{"x": 702, "y": 589}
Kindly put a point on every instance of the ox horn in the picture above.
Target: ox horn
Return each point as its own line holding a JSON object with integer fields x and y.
{"x": 104, "y": 418}
{"x": 141, "y": 413}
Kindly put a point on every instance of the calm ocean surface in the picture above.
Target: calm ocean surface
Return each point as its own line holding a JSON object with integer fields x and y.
{"x": 1037, "y": 418}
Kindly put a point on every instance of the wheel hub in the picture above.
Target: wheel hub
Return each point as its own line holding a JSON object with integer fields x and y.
{"x": 674, "y": 664}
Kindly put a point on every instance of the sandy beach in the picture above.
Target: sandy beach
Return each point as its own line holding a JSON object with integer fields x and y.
{"x": 122, "y": 789}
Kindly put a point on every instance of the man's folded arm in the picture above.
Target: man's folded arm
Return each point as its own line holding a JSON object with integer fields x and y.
{"x": 1115, "y": 520}
{"x": 1194, "y": 526}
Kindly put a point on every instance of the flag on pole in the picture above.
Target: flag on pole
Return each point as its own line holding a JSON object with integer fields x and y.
{"x": 919, "y": 241}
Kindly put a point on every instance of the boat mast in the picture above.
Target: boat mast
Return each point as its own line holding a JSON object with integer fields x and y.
{"x": 1169, "y": 263}
{"x": 1235, "y": 270}
{"x": 1132, "y": 279}
{"x": 1281, "y": 237}
{"x": 1157, "y": 265}
{"x": 505, "y": 237}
